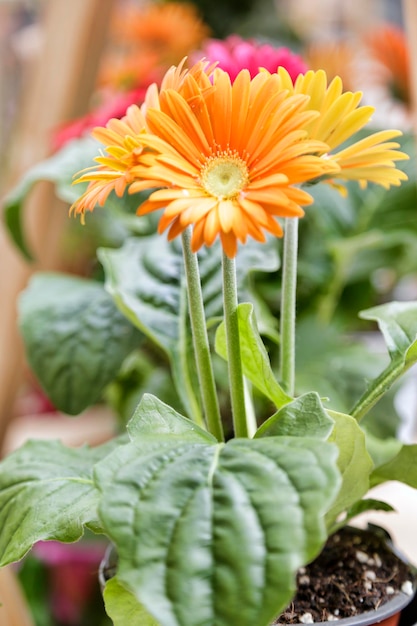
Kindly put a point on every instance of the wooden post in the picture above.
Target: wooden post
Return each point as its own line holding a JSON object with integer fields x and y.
{"x": 13, "y": 611}
{"x": 59, "y": 87}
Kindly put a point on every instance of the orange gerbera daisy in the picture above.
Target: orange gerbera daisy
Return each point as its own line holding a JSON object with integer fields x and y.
{"x": 369, "y": 160}
{"x": 388, "y": 46}
{"x": 235, "y": 156}
{"x": 228, "y": 155}
{"x": 150, "y": 36}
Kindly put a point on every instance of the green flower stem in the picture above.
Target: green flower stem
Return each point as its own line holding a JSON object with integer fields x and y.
{"x": 236, "y": 381}
{"x": 288, "y": 296}
{"x": 200, "y": 340}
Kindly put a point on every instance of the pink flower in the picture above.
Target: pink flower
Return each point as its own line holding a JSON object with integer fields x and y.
{"x": 234, "y": 54}
{"x": 73, "y": 576}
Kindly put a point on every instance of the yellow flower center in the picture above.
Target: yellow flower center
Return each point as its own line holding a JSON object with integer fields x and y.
{"x": 224, "y": 175}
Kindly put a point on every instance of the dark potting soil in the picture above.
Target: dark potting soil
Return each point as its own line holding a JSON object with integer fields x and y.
{"x": 356, "y": 572}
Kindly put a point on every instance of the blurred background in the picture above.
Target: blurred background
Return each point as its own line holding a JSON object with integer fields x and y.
{"x": 68, "y": 66}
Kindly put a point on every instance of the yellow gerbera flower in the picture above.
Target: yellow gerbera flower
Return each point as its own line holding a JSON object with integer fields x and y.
{"x": 124, "y": 150}
{"x": 228, "y": 156}
{"x": 369, "y": 160}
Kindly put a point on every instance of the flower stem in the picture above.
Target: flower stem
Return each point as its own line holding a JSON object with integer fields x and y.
{"x": 236, "y": 381}
{"x": 200, "y": 340}
{"x": 288, "y": 296}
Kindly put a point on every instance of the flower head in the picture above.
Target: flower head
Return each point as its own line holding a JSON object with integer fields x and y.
{"x": 235, "y": 54}
{"x": 387, "y": 46}
{"x": 227, "y": 156}
{"x": 124, "y": 151}
{"x": 155, "y": 33}
{"x": 371, "y": 159}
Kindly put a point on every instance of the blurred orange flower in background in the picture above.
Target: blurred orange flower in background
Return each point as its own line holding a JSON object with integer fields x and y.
{"x": 144, "y": 40}
{"x": 387, "y": 45}
{"x": 148, "y": 38}
{"x": 336, "y": 58}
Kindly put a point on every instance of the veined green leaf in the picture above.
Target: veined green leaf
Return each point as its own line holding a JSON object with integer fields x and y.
{"x": 145, "y": 277}
{"x": 75, "y": 338}
{"x": 255, "y": 360}
{"x": 147, "y": 281}
{"x": 46, "y": 492}
{"x": 398, "y": 324}
{"x": 152, "y": 417}
{"x": 304, "y": 416}
{"x": 214, "y": 533}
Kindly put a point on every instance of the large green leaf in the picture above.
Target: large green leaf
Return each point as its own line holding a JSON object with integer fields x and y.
{"x": 46, "y": 492}
{"x": 398, "y": 324}
{"x": 304, "y": 416}
{"x": 75, "y": 338}
{"x": 255, "y": 360}
{"x": 147, "y": 281}
{"x": 145, "y": 277}
{"x": 211, "y": 533}
{"x": 58, "y": 169}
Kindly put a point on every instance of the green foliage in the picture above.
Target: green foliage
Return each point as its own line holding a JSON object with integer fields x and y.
{"x": 122, "y": 606}
{"x": 304, "y": 416}
{"x": 354, "y": 462}
{"x": 223, "y": 18}
{"x": 147, "y": 281}
{"x": 204, "y": 530}
{"x": 75, "y": 338}
{"x": 58, "y": 169}
{"x": 199, "y": 526}
{"x": 398, "y": 324}
{"x": 46, "y": 492}
{"x": 363, "y": 506}
{"x": 255, "y": 360}
{"x": 401, "y": 468}
{"x": 116, "y": 222}
{"x": 366, "y": 246}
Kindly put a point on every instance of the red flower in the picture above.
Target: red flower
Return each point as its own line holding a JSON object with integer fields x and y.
{"x": 234, "y": 54}
{"x": 114, "y": 107}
